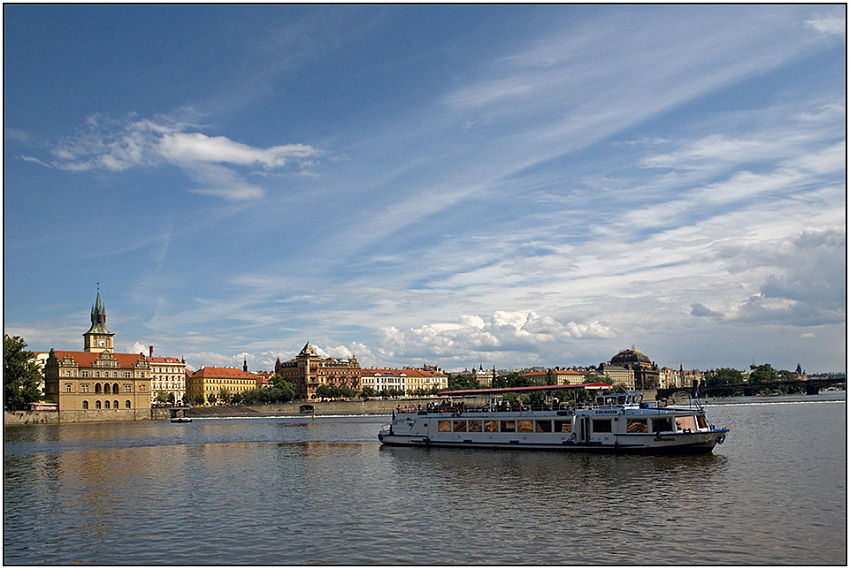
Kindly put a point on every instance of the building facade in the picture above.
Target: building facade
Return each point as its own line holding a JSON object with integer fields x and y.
{"x": 168, "y": 376}
{"x": 97, "y": 383}
{"x": 212, "y": 385}
{"x": 308, "y": 370}
{"x": 618, "y": 374}
{"x": 408, "y": 381}
{"x": 559, "y": 377}
{"x": 645, "y": 371}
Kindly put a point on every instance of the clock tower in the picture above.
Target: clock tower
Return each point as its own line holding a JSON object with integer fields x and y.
{"x": 98, "y": 338}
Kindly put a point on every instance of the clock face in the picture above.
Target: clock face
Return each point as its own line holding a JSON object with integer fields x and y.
{"x": 101, "y": 342}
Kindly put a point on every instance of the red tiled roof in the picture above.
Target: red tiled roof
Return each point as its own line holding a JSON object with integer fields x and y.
{"x": 163, "y": 360}
{"x": 222, "y": 373}
{"x": 87, "y": 359}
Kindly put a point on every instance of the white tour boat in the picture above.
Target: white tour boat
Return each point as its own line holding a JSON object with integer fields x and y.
{"x": 618, "y": 422}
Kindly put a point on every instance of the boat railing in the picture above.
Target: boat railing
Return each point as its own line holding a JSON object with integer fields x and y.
{"x": 460, "y": 408}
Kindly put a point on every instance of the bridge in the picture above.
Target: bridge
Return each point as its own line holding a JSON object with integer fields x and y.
{"x": 811, "y": 387}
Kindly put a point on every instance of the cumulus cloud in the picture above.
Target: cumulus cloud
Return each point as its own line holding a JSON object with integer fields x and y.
{"x": 505, "y": 331}
{"x": 217, "y": 163}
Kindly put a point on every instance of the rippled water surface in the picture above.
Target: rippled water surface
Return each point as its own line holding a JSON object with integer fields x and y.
{"x": 297, "y": 491}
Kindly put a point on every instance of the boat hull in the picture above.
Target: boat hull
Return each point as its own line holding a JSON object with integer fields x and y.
{"x": 699, "y": 443}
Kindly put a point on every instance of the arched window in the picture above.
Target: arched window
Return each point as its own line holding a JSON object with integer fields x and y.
{"x": 115, "y": 389}
{"x": 127, "y": 404}
{"x": 97, "y": 404}
{"x": 106, "y": 388}
{"x": 85, "y": 404}
{"x": 97, "y": 388}
{"x": 114, "y": 403}
{"x": 106, "y": 403}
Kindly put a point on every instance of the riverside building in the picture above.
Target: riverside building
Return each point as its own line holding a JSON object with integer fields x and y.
{"x": 210, "y": 385}
{"x": 168, "y": 376}
{"x": 308, "y": 370}
{"x": 98, "y": 384}
{"x": 559, "y": 377}
{"x": 407, "y": 380}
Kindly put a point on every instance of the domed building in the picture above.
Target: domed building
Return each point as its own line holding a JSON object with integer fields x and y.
{"x": 645, "y": 370}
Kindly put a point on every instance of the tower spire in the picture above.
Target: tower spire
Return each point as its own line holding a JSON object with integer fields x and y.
{"x": 98, "y": 338}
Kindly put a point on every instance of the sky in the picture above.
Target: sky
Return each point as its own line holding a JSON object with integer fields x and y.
{"x": 457, "y": 185}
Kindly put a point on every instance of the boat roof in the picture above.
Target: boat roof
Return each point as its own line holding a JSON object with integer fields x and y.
{"x": 461, "y": 392}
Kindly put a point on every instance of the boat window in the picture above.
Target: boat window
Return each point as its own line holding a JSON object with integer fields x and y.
{"x": 563, "y": 426}
{"x": 543, "y": 426}
{"x": 444, "y": 426}
{"x": 686, "y": 423}
{"x": 524, "y": 426}
{"x": 701, "y": 422}
{"x": 474, "y": 427}
{"x": 460, "y": 426}
{"x": 491, "y": 426}
{"x": 508, "y": 426}
{"x": 621, "y": 399}
{"x": 662, "y": 424}
{"x": 636, "y": 426}
{"x": 602, "y": 425}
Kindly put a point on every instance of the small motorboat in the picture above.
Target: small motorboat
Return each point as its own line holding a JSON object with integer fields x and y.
{"x": 181, "y": 420}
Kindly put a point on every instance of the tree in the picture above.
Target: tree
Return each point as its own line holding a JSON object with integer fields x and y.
{"x": 762, "y": 374}
{"x": 170, "y": 398}
{"x": 513, "y": 379}
{"x": 21, "y": 378}
{"x": 224, "y": 395}
{"x": 367, "y": 392}
{"x": 199, "y": 399}
{"x": 211, "y": 398}
{"x": 161, "y": 397}
{"x": 724, "y": 376}
{"x": 458, "y": 381}
{"x": 285, "y": 388}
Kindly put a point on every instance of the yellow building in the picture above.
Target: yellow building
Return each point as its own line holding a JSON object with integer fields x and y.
{"x": 217, "y": 383}
{"x": 559, "y": 377}
{"x": 97, "y": 383}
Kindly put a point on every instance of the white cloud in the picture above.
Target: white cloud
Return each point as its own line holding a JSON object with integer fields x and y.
{"x": 191, "y": 147}
{"x": 106, "y": 144}
{"x": 505, "y": 332}
{"x": 827, "y": 25}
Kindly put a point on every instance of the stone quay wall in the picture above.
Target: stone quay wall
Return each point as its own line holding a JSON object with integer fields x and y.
{"x": 12, "y": 418}
{"x": 372, "y": 407}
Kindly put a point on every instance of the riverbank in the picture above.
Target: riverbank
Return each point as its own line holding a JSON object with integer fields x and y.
{"x": 370, "y": 407}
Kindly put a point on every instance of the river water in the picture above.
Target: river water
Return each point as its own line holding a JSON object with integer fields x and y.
{"x": 270, "y": 491}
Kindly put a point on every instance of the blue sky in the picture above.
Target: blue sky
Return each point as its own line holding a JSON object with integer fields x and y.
{"x": 500, "y": 185}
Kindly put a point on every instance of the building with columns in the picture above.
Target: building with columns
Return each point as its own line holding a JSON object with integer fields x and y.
{"x": 97, "y": 383}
